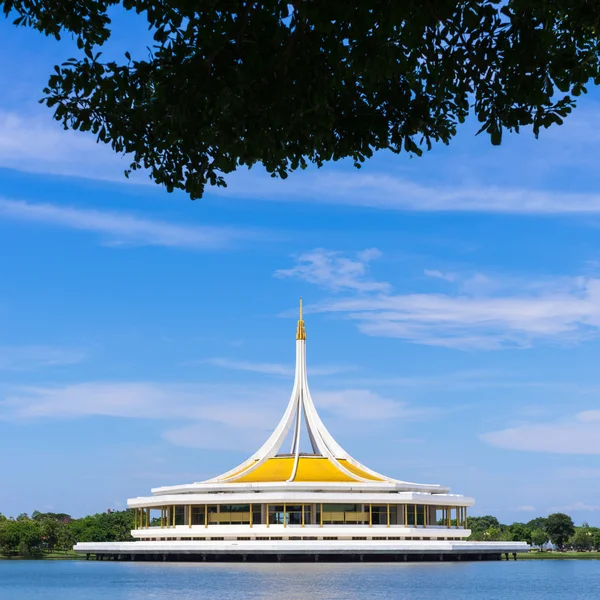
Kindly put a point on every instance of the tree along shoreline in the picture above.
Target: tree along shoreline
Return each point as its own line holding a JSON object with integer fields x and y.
{"x": 51, "y": 555}
{"x": 53, "y": 535}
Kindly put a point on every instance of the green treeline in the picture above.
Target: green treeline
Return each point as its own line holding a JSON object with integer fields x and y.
{"x": 57, "y": 532}
{"x": 44, "y": 533}
{"x": 557, "y": 529}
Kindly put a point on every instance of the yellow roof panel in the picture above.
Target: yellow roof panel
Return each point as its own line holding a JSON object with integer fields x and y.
{"x": 310, "y": 468}
{"x": 273, "y": 469}
{"x": 319, "y": 469}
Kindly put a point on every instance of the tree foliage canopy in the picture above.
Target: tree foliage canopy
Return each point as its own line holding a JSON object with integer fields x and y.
{"x": 539, "y": 537}
{"x": 288, "y": 83}
{"x": 26, "y": 536}
{"x": 481, "y": 524}
{"x": 559, "y": 528}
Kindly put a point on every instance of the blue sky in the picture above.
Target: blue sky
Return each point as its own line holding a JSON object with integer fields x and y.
{"x": 452, "y": 311}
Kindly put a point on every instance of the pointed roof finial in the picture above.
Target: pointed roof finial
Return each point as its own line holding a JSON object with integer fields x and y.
{"x": 300, "y": 331}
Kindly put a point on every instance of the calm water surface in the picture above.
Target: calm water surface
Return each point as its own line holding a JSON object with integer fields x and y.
{"x": 526, "y": 580}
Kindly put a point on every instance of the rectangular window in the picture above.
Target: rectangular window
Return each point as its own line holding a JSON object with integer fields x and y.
{"x": 229, "y": 514}
{"x": 416, "y": 514}
{"x": 344, "y": 514}
{"x": 276, "y": 514}
{"x": 256, "y": 514}
{"x": 293, "y": 514}
{"x": 379, "y": 514}
{"x": 289, "y": 514}
{"x": 307, "y": 510}
{"x": 198, "y": 515}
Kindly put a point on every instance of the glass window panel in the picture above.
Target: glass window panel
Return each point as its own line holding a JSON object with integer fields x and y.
{"x": 307, "y": 519}
{"x": 276, "y": 514}
{"x": 379, "y": 514}
{"x": 198, "y": 515}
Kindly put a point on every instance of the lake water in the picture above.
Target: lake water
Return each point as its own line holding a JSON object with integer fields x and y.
{"x": 520, "y": 580}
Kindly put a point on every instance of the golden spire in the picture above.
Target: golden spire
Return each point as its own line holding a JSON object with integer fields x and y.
{"x": 300, "y": 332}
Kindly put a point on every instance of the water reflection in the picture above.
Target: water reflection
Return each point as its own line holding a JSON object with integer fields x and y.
{"x": 521, "y": 580}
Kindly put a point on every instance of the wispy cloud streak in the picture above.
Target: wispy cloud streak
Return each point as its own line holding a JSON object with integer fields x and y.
{"x": 27, "y": 358}
{"x": 276, "y": 369}
{"x": 35, "y": 143}
{"x": 579, "y": 434}
{"x": 385, "y": 191}
{"x": 332, "y": 270}
{"x": 121, "y": 228}
{"x": 250, "y": 413}
{"x": 479, "y": 311}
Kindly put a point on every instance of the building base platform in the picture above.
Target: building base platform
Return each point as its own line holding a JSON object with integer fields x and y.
{"x": 303, "y": 551}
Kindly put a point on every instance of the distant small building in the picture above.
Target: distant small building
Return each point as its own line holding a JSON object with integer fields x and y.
{"x": 285, "y": 504}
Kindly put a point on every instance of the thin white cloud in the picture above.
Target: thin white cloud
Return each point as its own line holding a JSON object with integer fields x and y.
{"x": 440, "y": 275}
{"x": 277, "y": 369}
{"x": 526, "y": 508}
{"x": 579, "y": 434}
{"x": 354, "y": 404}
{"x": 576, "y": 506}
{"x": 365, "y": 405}
{"x": 120, "y": 228}
{"x": 215, "y": 415}
{"x": 215, "y": 436}
{"x": 568, "y": 313}
{"x": 386, "y": 191}
{"x": 252, "y": 367}
{"x": 332, "y": 270}
{"x": 467, "y": 381}
{"x": 482, "y": 312}
{"x": 27, "y": 358}
{"x": 35, "y": 143}
{"x": 142, "y": 399}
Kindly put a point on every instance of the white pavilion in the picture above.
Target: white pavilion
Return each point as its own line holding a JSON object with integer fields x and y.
{"x": 284, "y": 504}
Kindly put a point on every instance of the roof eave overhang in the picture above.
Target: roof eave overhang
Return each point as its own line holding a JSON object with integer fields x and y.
{"x": 299, "y": 496}
{"x": 219, "y": 487}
